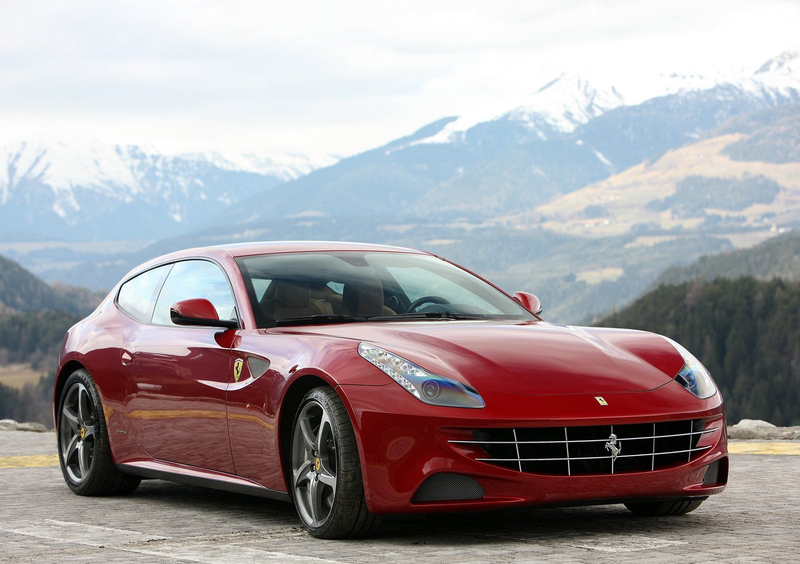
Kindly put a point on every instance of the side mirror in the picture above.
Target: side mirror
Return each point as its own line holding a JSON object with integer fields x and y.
{"x": 529, "y": 302}
{"x": 199, "y": 312}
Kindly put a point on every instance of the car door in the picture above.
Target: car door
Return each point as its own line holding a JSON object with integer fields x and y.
{"x": 178, "y": 375}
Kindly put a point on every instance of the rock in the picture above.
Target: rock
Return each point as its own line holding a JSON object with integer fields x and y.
{"x": 8, "y": 424}
{"x": 35, "y": 427}
{"x": 790, "y": 433}
{"x": 756, "y": 429}
{"x": 11, "y": 425}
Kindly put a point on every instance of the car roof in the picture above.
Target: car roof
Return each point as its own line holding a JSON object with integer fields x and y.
{"x": 235, "y": 250}
{"x": 268, "y": 247}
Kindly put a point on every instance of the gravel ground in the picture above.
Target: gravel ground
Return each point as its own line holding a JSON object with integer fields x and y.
{"x": 755, "y": 520}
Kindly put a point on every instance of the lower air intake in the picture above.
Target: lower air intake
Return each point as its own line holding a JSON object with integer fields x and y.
{"x": 448, "y": 487}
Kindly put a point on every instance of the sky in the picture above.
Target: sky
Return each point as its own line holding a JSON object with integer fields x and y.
{"x": 339, "y": 77}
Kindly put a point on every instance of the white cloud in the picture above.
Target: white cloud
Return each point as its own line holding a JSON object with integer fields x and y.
{"x": 338, "y": 76}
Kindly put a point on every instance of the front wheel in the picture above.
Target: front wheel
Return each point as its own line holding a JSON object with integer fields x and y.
{"x": 83, "y": 447}
{"x": 325, "y": 476}
{"x": 664, "y": 508}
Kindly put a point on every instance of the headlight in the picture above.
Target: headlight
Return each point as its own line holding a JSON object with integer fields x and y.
{"x": 423, "y": 385}
{"x": 694, "y": 376}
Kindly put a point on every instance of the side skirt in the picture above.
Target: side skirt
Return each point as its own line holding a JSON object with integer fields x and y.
{"x": 197, "y": 477}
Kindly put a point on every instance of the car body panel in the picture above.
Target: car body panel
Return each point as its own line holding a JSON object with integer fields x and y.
{"x": 184, "y": 402}
{"x": 536, "y": 357}
{"x": 177, "y": 380}
{"x": 404, "y": 442}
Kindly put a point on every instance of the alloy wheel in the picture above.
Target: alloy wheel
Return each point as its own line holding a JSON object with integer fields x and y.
{"x": 77, "y": 432}
{"x": 314, "y": 464}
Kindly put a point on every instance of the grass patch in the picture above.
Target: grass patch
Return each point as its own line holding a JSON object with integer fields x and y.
{"x": 17, "y": 375}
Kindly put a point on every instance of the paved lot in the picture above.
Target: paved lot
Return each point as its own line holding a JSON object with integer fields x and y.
{"x": 755, "y": 520}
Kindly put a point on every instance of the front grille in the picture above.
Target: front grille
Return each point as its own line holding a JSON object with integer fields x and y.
{"x": 571, "y": 451}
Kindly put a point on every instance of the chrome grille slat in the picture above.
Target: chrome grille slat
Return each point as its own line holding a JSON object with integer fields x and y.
{"x": 599, "y": 449}
{"x": 587, "y": 440}
{"x": 648, "y": 455}
{"x": 519, "y": 459}
{"x": 653, "y": 459}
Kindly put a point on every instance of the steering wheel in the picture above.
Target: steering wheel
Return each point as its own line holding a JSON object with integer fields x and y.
{"x": 426, "y": 300}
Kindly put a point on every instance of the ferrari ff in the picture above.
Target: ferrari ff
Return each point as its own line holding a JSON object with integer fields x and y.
{"x": 359, "y": 380}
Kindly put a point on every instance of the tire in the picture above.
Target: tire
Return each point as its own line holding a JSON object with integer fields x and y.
{"x": 664, "y": 508}
{"x": 83, "y": 448}
{"x": 325, "y": 472}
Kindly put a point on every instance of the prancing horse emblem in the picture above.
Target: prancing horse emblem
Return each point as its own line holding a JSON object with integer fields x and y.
{"x": 611, "y": 446}
{"x": 237, "y": 369}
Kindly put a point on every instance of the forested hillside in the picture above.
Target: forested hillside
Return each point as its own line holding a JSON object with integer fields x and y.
{"x": 746, "y": 332}
{"x": 31, "y": 404}
{"x": 33, "y": 338}
{"x": 33, "y": 320}
{"x": 774, "y": 258}
{"x": 22, "y": 291}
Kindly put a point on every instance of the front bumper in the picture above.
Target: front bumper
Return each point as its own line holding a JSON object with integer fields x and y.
{"x": 403, "y": 443}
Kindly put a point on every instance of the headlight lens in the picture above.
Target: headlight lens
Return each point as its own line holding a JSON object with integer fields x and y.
{"x": 423, "y": 385}
{"x": 694, "y": 376}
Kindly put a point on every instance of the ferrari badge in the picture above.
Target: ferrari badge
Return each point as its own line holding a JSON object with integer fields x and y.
{"x": 237, "y": 369}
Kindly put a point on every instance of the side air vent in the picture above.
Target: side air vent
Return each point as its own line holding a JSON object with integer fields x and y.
{"x": 448, "y": 487}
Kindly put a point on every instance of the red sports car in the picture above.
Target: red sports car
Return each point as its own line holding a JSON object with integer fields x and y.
{"x": 358, "y": 380}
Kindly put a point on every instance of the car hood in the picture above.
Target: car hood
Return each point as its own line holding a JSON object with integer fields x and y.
{"x": 525, "y": 357}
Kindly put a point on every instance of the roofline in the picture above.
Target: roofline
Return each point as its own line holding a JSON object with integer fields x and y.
{"x": 274, "y": 247}
{"x": 229, "y": 251}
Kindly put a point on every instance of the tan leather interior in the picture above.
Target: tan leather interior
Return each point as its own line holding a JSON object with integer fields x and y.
{"x": 286, "y": 298}
{"x": 364, "y": 298}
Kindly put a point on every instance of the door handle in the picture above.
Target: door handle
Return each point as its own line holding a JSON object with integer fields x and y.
{"x": 126, "y": 357}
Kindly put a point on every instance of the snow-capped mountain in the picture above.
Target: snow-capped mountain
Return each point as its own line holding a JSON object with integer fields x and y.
{"x": 571, "y": 100}
{"x": 98, "y": 190}
{"x": 566, "y": 103}
{"x": 286, "y": 166}
{"x": 559, "y": 106}
{"x": 570, "y": 133}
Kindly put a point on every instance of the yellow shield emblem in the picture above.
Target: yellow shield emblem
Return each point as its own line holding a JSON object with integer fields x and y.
{"x": 237, "y": 369}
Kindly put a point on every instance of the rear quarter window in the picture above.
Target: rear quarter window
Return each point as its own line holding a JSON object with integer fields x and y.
{"x": 137, "y": 297}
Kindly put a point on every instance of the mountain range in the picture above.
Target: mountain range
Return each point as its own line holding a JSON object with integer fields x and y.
{"x": 570, "y": 134}
{"x": 95, "y": 191}
{"x": 584, "y": 194}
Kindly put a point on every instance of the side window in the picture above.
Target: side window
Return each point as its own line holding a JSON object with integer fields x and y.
{"x": 195, "y": 279}
{"x": 137, "y": 296}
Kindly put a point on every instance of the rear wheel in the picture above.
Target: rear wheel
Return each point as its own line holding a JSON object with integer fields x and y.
{"x": 325, "y": 470}
{"x": 662, "y": 508}
{"x": 83, "y": 447}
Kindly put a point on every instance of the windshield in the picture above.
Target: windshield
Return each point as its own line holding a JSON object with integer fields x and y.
{"x": 352, "y": 286}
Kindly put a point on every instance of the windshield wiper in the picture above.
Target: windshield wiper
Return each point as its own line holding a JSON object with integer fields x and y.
{"x": 318, "y": 319}
{"x": 324, "y": 318}
{"x": 429, "y": 315}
